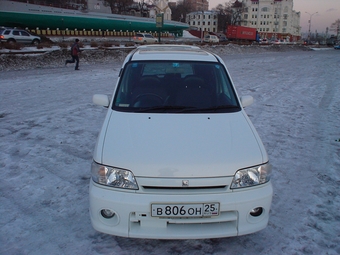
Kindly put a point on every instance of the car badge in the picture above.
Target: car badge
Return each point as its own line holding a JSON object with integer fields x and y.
{"x": 185, "y": 183}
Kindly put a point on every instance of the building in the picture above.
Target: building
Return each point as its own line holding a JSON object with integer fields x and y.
{"x": 161, "y": 6}
{"x": 273, "y": 19}
{"x": 205, "y": 21}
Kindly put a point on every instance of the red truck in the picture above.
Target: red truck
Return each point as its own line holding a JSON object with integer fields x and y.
{"x": 242, "y": 33}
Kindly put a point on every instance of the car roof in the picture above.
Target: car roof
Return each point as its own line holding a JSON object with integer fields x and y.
{"x": 13, "y": 29}
{"x": 172, "y": 52}
{"x": 143, "y": 34}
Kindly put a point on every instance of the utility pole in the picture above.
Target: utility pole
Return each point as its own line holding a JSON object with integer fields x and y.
{"x": 310, "y": 24}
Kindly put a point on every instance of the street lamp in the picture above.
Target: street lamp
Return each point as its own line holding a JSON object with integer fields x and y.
{"x": 310, "y": 24}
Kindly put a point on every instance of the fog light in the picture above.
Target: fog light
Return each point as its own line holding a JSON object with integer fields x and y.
{"x": 107, "y": 214}
{"x": 256, "y": 211}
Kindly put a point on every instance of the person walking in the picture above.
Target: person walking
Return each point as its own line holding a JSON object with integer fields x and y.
{"x": 75, "y": 54}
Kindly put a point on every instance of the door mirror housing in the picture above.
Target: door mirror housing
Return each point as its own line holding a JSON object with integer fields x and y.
{"x": 246, "y": 101}
{"x": 102, "y": 100}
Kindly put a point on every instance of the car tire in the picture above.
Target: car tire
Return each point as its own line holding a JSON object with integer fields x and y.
{"x": 35, "y": 42}
{"x": 11, "y": 41}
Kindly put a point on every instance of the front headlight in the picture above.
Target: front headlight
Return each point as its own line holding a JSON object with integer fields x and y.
{"x": 252, "y": 176}
{"x": 113, "y": 177}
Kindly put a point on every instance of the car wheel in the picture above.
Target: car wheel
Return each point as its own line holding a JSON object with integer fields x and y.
{"x": 35, "y": 42}
{"x": 11, "y": 41}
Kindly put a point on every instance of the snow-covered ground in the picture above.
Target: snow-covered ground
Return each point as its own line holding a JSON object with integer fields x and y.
{"x": 48, "y": 128}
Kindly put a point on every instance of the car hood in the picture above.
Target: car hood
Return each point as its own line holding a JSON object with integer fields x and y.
{"x": 179, "y": 145}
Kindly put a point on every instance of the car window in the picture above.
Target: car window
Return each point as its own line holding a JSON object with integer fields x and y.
{"x": 24, "y": 33}
{"x": 7, "y": 32}
{"x": 148, "y": 36}
{"x": 139, "y": 35}
{"x": 160, "y": 70}
{"x": 16, "y": 33}
{"x": 175, "y": 86}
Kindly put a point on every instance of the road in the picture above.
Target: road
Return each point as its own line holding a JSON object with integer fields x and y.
{"x": 48, "y": 128}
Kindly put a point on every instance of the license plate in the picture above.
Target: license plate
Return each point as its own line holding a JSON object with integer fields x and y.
{"x": 185, "y": 210}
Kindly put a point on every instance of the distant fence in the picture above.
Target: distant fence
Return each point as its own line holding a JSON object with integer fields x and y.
{"x": 103, "y": 33}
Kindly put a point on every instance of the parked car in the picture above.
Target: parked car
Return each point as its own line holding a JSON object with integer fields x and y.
{"x": 13, "y": 35}
{"x": 337, "y": 47}
{"x": 221, "y": 37}
{"x": 177, "y": 156}
{"x": 264, "y": 41}
{"x": 211, "y": 39}
{"x": 144, "y": 38}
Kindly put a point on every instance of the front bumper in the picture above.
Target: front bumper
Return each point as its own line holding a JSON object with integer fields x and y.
{"x": 133, "y": 213}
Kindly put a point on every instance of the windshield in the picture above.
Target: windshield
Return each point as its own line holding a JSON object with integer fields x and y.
{"x": 168, "y": 86}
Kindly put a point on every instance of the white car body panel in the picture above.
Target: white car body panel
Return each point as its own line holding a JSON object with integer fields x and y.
{"x": 193, "y": 145}
{"x": 132, "y": 218}
{"x": 195, "y": 55}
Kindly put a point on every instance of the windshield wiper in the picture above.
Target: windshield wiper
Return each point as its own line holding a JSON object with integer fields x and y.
{"x": 169, "y": 108}
{"x": 220, "y": 107}
{"x": 179, "y": 108}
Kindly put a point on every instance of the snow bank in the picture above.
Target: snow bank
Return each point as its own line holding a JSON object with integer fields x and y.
{"x": 52, "y": 57}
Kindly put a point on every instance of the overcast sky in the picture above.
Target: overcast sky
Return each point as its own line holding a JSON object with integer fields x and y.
{"x": 328, "y": 12}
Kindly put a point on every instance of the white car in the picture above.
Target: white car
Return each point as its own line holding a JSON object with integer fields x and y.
{"x": 143, "y": 38}
{"x": 211, "y": 39}
{"x": 177, "y": 156}
{"x": 13, "y": 35}
{"x": 264, "y": 41}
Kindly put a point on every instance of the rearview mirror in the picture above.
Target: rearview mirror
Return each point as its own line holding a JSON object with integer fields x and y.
{"x": 102, "y": 100}
{"x": 246, "y": 101}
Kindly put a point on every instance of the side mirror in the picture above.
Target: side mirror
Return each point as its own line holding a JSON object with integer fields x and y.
{"x": 102, "y": 100}
{"x": 246, "y": 101}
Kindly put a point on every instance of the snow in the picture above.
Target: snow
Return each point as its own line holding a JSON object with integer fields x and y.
{"x": 48, "y": 129}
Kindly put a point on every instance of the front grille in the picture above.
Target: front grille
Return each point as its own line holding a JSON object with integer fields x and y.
{"x": 176, "y": 185}
{"x": 183, "y": 188}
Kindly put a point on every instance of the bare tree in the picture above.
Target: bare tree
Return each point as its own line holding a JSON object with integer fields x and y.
{"x": 118, "y": 6}
{"x": 336, "y": 28}
{"x": 230, "y": 13}
{"x": 143, "y": 6}
{"x": 179, "y": 12}
{"x": 237, "y": 9}
{"x": 112, "y": 4}
{"x": 224, "y": 14}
